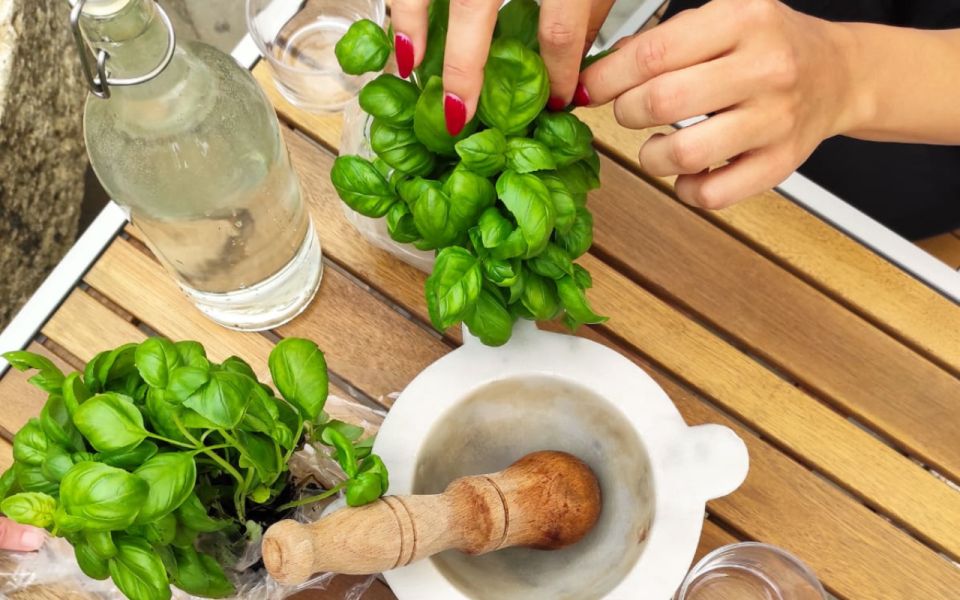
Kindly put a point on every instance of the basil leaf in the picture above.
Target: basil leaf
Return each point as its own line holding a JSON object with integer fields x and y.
{"x": 502, "y": 273}
{"x": 484, "y": 152}
{"x": 68, "y": 524}
{"x": 30, "y": 444}
{"x": 30, "y": 508}
{"x": 589, "y": 60}
{"x": 7, "y": 482}
{"x": 430, "y": 125}
{"x": 412, "y": 190}
{"x": 579, "y": 238}
{"x": 222, "y": 400}
{"x": 518, "y": 20}
{"x": 399, "y": 147}
{"x": 160, "y": 532}
{"x": 494, "y": 228}
{"x": 553, "y": 262}
{"x": 515, "y": 87}
{"x": 101, "y": 542}
{"x": 350, "y": 432}
{"x": 582, "y": 277}
{"x": 259, "y": 452}
{"x": 171, "y": 477}
{"x": 56, "y": 464}
{"x": 540, "y": 296}
{"x": 184, "y": 382}
{"x": 237, "y": 365}
{"x": 155, "y": 358}
{"x": 579, "y": 177}
{"x": 192, "y": 354}
{"x": 261, "y": 412}
{"x": 194, "y": 514}
{"x": 574, "y": 301}
{"x": 491, "y": 322}
{"x": 110, "y": 422}
{"x": 138, "y": 570}
{"x": 49, "y": 377}
{"x": 162, "y": 415}
{"x": 525, "y": 155}
{"x": 432, "y": 218}
{"x": 568, "y": 138}
{"x": 90, "y": 563}
{"x": 344, "y": 454}
{"x": 390, "y": 99}
{"x": 300, "y": 374}
{"x": 132, "y": 458}
{"x": 528, "y": 199}
{"x": 361, "y": 186}
{"x": 564, "y": 204}
{"x": 75, "y": 392}
{"x": 106, "y": 498}
{"x": 432, "y": 63}
{"x": 90, "y": 372}
{"x": 58, "y": 426}
{"x": 453, "y": 287}
{"x": 401, "y": 225}
{"x": 593, "y": 161}
{"x": 116, "y": 366}
{"x": 363, "y": 49}
{"x": 30, "y": 478}
{"x": 200, "y": 575}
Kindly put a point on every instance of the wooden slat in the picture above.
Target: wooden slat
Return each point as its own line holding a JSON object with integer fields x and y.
{"x": 6, "y": 455}
{"x": 945, "y": 247}
{"x": 84, "y": 327}
{"x": 836, "y": 263}
{"x": 313, "y": 167}
{"x": 19, "y": 400}
{"x": 835, "y": 446}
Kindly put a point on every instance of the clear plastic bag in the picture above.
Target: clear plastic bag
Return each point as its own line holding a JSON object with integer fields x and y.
{"x": 355, "y": 140}
{"x": 52, "y": 573}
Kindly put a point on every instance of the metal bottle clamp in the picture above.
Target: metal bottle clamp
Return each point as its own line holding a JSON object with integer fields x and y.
{"x": 100, "y": 82}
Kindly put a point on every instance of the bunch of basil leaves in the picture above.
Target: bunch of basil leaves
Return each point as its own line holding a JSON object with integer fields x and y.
{"x": 503, "y": 203}
{"x": 154, "y": 448}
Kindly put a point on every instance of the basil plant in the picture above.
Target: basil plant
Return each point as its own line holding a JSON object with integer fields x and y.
{"x": 154, "y": 452}
{"x": 503, "y": 204}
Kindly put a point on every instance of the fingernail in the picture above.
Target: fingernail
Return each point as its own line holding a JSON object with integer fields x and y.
{"x": 556, "y": 103}
{"x": 32, "y": 539}
{"x": 581, "y": 97}
{"x": 404, "y": 51}
{"x": 455, "y": 113}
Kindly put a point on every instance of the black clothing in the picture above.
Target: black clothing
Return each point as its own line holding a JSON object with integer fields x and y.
{"x": 913, "y": 189}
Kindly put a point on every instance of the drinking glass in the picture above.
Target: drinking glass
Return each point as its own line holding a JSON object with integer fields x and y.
{"x": 750, "y": 571}
{"x": 297, "y": 38}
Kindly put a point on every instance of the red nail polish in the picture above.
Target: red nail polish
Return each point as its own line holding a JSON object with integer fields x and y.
{"x": 556, "y": 104}
{"x": 404, "y": 51}
{"x": 581, "y": 97}
{"x": 455, "y": 113}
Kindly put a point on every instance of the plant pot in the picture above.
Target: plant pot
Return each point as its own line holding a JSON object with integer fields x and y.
{"x": 355, "y": 140}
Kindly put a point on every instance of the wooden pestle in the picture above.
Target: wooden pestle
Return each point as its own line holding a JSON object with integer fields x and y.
{"x": 545, "y": 500}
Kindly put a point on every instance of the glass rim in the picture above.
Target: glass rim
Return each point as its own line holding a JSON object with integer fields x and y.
{"x": 265, "y": 52}
{"x": 710, "y": 557}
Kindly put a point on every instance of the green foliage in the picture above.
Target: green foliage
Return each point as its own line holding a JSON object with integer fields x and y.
{"x": 153, "y": 447}
{"x": 503, "y": 203}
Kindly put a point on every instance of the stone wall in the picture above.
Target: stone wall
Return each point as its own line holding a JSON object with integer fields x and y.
{"x": 42, "y": 159}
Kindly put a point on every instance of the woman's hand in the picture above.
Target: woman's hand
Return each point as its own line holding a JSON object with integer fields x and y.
{"x": 774, "y": 80}
{"x": 567, "y": 29}
{"x": 21, "y": 538}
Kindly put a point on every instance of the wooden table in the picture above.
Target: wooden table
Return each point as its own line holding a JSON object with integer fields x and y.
{"x": 841, "y": 372}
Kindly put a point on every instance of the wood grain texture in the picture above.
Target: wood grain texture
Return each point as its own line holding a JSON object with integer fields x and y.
{"x": 84, "y": 327}
{"x": 834, "y": 262}
{"x": 723, "y": 370}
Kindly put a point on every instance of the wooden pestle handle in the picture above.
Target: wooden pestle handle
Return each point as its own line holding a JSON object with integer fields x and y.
{"x": 545, "y": 500}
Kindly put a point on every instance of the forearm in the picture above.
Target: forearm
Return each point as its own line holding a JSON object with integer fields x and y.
{"x": 905, "y": 83}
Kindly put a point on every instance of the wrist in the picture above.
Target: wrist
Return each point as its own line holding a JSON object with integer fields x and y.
{"x": 857, "y": 98}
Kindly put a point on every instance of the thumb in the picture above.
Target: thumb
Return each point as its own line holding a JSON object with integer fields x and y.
{"x": 21, "y": 538}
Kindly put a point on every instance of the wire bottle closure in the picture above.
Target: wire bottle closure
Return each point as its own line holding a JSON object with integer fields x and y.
{"x": 95, "y": 67}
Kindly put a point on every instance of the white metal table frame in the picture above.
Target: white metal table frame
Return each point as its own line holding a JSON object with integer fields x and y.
{"x": 111, "y": 220}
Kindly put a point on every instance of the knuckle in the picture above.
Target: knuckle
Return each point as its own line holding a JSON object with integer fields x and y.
{"x": 757, "y": 11}
{"x": 454, "y": 70}
{"x": 688, "y": 154}
{"x": 557, "y": 35}
{"x": 470, "y": 5}
{"x": 783, "y": 69}
{"x": 709, "y": 196}
{"x": 651, "y": 55}
{"x": 662, "y": 99}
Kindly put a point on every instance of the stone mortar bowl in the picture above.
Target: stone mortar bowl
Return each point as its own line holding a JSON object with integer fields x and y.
{"x": 479, "y": 409}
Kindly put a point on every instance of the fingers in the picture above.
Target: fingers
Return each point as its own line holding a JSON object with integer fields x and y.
{"x": 563, "y": 29}
{"x": 672, "y": 97}
{"x": 409, "y": 18}
{"x": 468, "y": 44}
{"x": 689, "y": 38}
{"x": 706, "y": 144}
{"x": 748, "y": 175}
{"x": 20, "y": 538}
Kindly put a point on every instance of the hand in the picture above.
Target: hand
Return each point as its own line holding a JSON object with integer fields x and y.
{"x": 20, "y": 538}
{"x": 567, "y": 29}
{"x": 771, "y": 78}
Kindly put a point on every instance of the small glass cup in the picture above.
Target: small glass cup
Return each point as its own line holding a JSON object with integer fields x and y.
{"x": 298, "y": 37}
{"x": 750, "y": 571}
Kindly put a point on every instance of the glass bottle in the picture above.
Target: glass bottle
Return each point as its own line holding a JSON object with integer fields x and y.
{"x": 195, "y": 155}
